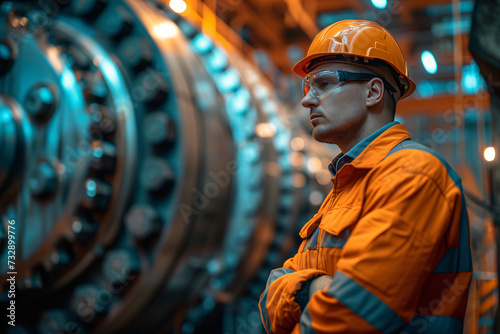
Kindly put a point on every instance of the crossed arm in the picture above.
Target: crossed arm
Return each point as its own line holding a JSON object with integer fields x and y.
{"x": 383, "y": 266}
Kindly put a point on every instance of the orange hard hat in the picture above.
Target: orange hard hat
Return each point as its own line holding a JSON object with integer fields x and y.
{"x": 362, "y": 42}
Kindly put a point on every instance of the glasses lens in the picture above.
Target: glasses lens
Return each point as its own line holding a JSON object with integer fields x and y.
{"x": 306, "y": 89}
{"x": 305, "y": 84}
{"x": 320, "y": 82}
{"x": 324, "y": 81}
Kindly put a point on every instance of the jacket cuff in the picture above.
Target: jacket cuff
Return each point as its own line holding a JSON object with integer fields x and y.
{"x": 288, "y": 310}
{"x": 302, "y": 297}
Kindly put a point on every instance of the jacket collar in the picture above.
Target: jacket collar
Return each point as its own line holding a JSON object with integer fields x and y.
{"x": 372, "y": 149}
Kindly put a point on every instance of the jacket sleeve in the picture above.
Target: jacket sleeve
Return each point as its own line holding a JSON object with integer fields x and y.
{"x": 278, "y": 308}
{"x": 391, "y": 251}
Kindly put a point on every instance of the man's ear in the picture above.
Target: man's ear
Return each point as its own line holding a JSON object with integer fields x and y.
{"x": 375, "y": 92}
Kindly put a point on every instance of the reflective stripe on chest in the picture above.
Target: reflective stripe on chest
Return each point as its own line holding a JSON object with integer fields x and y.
{"x": 328, "y": 240}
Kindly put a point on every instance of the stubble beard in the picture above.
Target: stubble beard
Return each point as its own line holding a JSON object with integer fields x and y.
{"x": 338, "y": 134}
{"x": 332, "y": 135}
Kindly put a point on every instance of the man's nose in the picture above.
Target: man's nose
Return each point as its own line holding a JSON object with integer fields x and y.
{"x": 310, "y": 101}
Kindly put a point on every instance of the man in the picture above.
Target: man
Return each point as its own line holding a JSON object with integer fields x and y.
{"x": 388, "y": 251}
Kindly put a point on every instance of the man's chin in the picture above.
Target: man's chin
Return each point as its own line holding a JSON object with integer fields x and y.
{"x": 322, "y": 137}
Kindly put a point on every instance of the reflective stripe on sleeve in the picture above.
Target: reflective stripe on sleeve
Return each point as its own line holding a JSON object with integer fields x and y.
{"x": 306, "y": 323}
{"x": 364, "y": 303}
{"x": 433, "y": 325}
{"x": 275, "y": 274}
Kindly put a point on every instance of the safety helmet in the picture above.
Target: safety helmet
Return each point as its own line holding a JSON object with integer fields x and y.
{"x": 362, "y": 42}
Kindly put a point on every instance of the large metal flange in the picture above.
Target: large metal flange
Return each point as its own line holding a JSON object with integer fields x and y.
{"x": 62, "y": 146}
{"x": 250, "y": 229}
{"x": 100, "y": 167}
{"x": 182, "y": 123}
{"x": 157, "y": 181}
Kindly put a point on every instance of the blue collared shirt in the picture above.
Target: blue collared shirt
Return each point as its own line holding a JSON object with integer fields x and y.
{"x": 342, "y": 159}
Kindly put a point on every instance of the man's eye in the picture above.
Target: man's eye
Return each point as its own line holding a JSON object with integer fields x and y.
{"x": 324, "y": 84}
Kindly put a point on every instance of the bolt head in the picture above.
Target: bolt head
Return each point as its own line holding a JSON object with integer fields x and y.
{"x": 42, "y": 181}
{"x": 97, "y": 195}
{"x": 136, "y": 53}
{"x": 142, "y": 221}
{"x": 120, "y": 267}
{"x": 116, "y": 23}
{"x": 62, "y": 256}
{"x": 103, "y": 156}
{"x": 89, "y": 300}
{"x": 40, "y": 102}
{"x": 7, "y": 56}
{"x": 150, "y": 88}
{"x": 159, "y": 130}
{"x": 82, "y": 229}
{"x": 157, "y": 176}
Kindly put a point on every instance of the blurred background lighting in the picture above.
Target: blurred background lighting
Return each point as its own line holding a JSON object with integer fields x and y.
{"x": 297, "y": 159}
{"x": 297, "y": 144}
{"x": 178, "y": 6}
{"x": 202, "y": 44}
{"x": 472, "y": 80}
{"x": 298, "y": 180}
{"x": 265, "y": 130}
{"x": 228, "y": 81}
{"x": 251, "y": 153}
{"x": 239, "y": 102}
{"x": 429, "y": 62}
{"x": 489, "y": 154}
{"x": 380, "y": 4}
{"x": 324, "y": 177}
{"x": 273, "y": 169}
{"x": 91, "y": 188}
{"x": 316, "y": 197}
{"x": 217, "y": 60}
{"x": 314, "y": 164}
{"x": 165, "y": 30}
{"x": 425, "y": 89}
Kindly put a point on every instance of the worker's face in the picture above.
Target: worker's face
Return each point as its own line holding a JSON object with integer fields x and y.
{"x": 341, "y": 112}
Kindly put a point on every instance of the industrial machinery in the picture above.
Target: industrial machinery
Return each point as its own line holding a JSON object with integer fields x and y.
{"x": 150, "y": 173}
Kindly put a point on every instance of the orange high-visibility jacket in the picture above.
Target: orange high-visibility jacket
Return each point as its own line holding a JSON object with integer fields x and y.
{"x": 394, "y": 235}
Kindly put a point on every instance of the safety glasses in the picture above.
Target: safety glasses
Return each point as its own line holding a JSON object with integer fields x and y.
{"x": 321, "y": 82}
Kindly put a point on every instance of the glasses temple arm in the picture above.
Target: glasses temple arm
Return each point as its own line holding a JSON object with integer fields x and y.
{"x": 346, "y": 76}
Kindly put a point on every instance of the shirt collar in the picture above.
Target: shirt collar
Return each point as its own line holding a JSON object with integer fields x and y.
{"x": 342, "y": 159}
